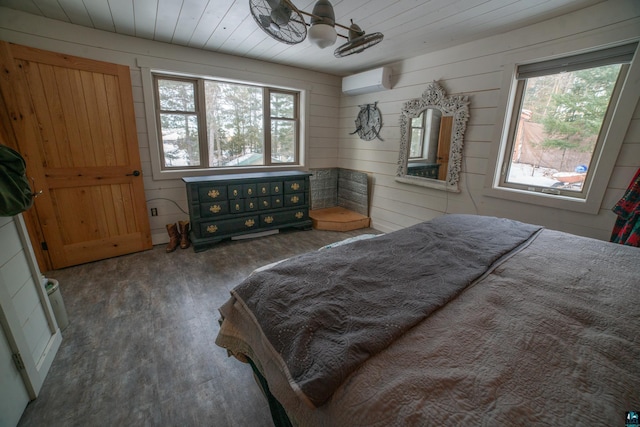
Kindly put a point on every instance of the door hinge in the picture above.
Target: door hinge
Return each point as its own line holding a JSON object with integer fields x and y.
{"x": 44, "y": 246}
{"x": 17, "y": 360}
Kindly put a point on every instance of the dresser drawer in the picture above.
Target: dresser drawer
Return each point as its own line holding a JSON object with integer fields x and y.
{"x": 276, "y": 188}
{"x": 294, "y": 199}
{"x": 270, "y": 202}
{"x": 235, "y": 191}
{"x": 236, "y": 206}
{"x": 214, "y": 209}
{"x": 263, "y": 189}
{"x": 294, "y": 186}
{"x": 251, "y": 204}
{"x": 286, "y": 217}
{"x": 212, "y": 193}
{"x": 228, "y": 226}
{"x": 264, "y": 203}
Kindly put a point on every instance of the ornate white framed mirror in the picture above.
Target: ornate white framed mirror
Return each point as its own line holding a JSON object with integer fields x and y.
{"x": 431, "y": 138}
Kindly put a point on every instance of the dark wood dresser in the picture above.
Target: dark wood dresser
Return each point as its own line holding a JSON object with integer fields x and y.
{"x": 225, "y": 206}
{"x": 425, "y": 170}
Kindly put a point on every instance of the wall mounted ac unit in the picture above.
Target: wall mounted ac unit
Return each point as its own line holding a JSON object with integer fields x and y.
{"x": 367, "y": 82}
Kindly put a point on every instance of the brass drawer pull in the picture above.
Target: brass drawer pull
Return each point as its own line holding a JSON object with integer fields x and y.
{"x": 213, "y": 194}
{"x": 212, "y": 229}
{"x": 299, "y": 215}
{"x": 268, "y": 219}
{"x": 249, "y": 223}
{"x": 295, "y": 186}
{"x": 295, "y": 199}
{"x": 215, "y": 208}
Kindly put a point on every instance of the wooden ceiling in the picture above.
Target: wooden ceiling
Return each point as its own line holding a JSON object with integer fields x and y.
{"x": 410, "y": 27}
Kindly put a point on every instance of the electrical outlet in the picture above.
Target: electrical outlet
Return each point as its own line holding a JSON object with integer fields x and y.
{"x": 154, "y": 211}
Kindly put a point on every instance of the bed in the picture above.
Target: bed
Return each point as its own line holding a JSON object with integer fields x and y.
{"x": 462, "y": 320}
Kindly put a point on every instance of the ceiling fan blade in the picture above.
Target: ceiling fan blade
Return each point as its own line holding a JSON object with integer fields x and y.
{"x": 274, "y": 4}
{"x": 265, "y": 21}
{"x": 279, "y": 19}
{"x": 281, "y": 15}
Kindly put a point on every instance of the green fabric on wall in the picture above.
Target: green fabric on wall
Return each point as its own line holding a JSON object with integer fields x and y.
{"x": 15, "y": 193}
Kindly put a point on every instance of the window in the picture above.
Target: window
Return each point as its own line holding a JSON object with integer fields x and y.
{"x": 206, "y": 123}
{"x": 561, "y": 108}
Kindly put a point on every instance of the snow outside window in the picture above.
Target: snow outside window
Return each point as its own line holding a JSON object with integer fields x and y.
{"x": 561, "y": 108}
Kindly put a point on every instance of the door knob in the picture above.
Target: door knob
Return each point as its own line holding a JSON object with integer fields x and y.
{"x": 134, "y": 173}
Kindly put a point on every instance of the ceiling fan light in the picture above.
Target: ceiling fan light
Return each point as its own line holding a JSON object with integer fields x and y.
{"x": 322, "y": 35}
{"x": 322, "y": 32}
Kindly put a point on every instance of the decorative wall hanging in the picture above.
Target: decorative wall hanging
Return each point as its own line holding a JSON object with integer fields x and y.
{"x": 368, "y": 122}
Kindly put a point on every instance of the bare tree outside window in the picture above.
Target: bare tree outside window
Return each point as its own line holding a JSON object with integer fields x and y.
{"x": 178, "y": 122}
{"x": 215, "y": 124}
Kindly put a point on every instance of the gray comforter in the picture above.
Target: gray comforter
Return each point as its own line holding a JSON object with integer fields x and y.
{"x": 324, "y": 314}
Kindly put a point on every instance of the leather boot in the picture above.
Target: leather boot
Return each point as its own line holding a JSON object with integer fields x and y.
{"x": 174, "y": 237}
{"x": 184, "y": 233}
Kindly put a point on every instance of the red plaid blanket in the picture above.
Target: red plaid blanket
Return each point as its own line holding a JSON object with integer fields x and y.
{"x": 627, "y": 227}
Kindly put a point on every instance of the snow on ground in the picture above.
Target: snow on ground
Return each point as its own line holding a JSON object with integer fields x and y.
{"x": 522, "y": 173}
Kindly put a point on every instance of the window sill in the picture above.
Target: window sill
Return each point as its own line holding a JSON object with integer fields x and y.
{"x": 589, "y": 206}
{"x": 179, "y": 174}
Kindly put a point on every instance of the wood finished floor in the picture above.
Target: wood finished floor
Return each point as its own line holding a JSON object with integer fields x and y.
{"x": 140, "y": 350}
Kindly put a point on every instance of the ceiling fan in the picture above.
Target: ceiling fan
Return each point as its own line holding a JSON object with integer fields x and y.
{"x": 283, "y": 21}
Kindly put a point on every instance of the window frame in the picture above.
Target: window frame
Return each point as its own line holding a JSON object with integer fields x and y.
{"x": 144, "y": 106}
{"x": 612, "y": 136}
{"x": 269, "y": 118}
{"x": 422, "y": 128}
{"x": 200, "y": 112}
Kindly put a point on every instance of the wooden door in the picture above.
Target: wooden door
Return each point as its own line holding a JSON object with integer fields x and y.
{"x": 82, "y": 153}
{"x": 444, "y": 146}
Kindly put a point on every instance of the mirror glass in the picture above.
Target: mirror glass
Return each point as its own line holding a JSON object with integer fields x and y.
{"x": 431, "y": 137}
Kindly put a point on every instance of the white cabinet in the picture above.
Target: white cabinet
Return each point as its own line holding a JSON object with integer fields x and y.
{"x": 31, "y": 336}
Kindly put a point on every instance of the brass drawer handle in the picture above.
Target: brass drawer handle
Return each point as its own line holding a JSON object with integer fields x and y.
{"x": 249, "y": 191}
{"x": 212, "y": 229}
{"x": 299, "y": 215}
{"x": 295, "y": 199}
{"x": 215, "y": 208}
{"x": 249, "y": 223}
{"x": 213, "y": 194}
{"x": 295, "y": 186}
{"x": 268, "y": 219}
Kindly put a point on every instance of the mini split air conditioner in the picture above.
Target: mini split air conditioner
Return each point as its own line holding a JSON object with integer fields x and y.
{"x": 367, "y": 82}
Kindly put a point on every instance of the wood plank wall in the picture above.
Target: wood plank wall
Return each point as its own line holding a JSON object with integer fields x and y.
{"x": 168, "y": 195}
{"x": 474, "y": 69}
